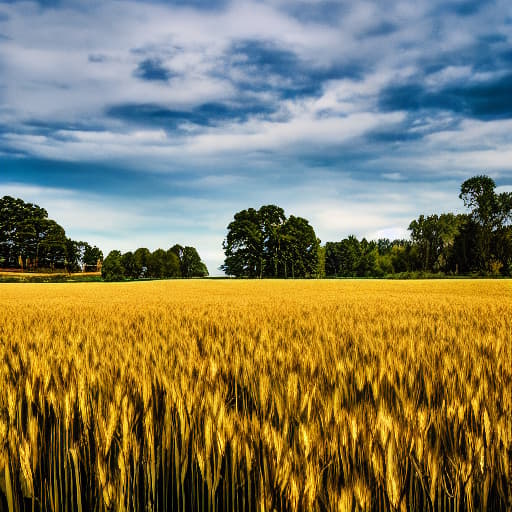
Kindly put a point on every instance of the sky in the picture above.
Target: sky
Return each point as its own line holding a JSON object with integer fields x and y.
{"x": 150, "y": 123}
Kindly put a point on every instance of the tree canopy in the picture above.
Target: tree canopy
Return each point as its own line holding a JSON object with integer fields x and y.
{"x": 264, "y": 243}
{"x": 176, "y": 262}
{"x": 30, "y": 240}
{"x": 477, "y": 242}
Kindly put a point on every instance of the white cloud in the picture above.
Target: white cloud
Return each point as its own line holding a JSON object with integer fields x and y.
{"x": 48, "y": 80}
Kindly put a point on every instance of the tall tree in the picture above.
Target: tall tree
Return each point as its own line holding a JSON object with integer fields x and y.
{"x": 191, "y": 264}
{"x": 141, "y": 260}
{"x": 112, "y": 268}
{"x": 333, "y": 259}
{"x": 434, "y": 237}
{"x": 272, "y": 219}
{"x": 263, "y": 243}
{"x": 299, "y": 246}
{"x": 243, "y": 245}
{"x": 172, "y": 264}
{"x": 490, "y": 214}
{"x": 157, "y": 263}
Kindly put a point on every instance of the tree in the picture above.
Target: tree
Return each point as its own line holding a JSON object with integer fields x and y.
{"x": 299, "y": 248}
{"x": 243, "y": 245}
{"x": 191, "y": 264}
{"x": 157, "y": 264}
{"x": 434, "y": 237}
{"x": 367, "y": 264}
{"x": 141, "y": 258}
{"x": 51, "y": 251}
{"x": 172, "y": 264}
{"x": 29, "y": 238}
{"x": 320, "y": 272}
{"x": 350, "y": 254}
{"x": 92, "y": 255}
{"x": 272, "y": 219}
{"x": 22, "y": 229}
{"x": 112, "y": 268}
{"x": 263, "y": 243}
{"x": 490, "y": 214}
{"x": 129, "y": 265}
{"x": 178, "y": 250}
{"x": 333, "y": 259}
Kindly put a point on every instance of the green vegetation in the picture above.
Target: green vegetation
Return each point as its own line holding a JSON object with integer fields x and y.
{"x": 30, "y": 241}
{"x": 264, "y": 244}
{"x": 178, "y": 261}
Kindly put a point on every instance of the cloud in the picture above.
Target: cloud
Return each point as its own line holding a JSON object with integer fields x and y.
{"x": 357, "y": 115}
{"x": 153, "y": 69}
{"x": 488, "y": 100}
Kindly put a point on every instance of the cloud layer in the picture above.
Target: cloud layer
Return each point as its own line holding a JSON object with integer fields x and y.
{"x": 356, "y": 115}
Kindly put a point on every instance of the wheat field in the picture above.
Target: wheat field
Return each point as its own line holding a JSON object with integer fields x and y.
{"x": 256, "y": 395}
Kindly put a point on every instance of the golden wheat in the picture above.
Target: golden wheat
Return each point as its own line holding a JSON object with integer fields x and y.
{"x": 256, "y": 395}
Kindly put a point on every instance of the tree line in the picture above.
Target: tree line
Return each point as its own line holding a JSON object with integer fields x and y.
{"x": 176, "y": 262}
{"x": 30, "y": 241}
{"x": 263, "y": 243}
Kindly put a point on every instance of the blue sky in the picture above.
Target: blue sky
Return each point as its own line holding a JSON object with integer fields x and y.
{"x": 149, "y": 123}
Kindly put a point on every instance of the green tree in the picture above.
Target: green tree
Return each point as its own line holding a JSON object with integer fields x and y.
{"x": 112, "y": 268}
{"x": 333, "y": 259}
{"x": 191, "y": 264}
{"x": 320, "y": 273}
{"x": 367, "y": 264}
{"x": 141, "y": 257}
{"x": 172, "y": 264}
{"x": 92, "y": 255}
{"x": 52, "y": 250}
{"x": 434, "y": 237}
{"x": 490, "y": 214}
{"x": 263, "y": 243}
{"x": 157, "y": 264}
{"x": 243, "y": 245}
{"x": 272, "y": 219}
{"x": 178, "y": 250}
{"x": 299, "y": 246}
{"x": 23, "y": 228}
{"x": 350, "y": 255}
{"x": 129, "y": 265}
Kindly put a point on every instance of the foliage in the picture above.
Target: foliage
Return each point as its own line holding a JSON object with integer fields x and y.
{"x": 275, "y": 395}
{"x": 178, "y": 261}
{"x": 190, "y": 263}
{"x": 446, "y": 244}
{"x": 112, "y": 268}
{"x": 264, "y": 243}
{"x": 31, "y": 241}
